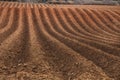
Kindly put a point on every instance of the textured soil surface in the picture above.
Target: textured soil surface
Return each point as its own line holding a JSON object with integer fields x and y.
{"x": 59, "y": 42}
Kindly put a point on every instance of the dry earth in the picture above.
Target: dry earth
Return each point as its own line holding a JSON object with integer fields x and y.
{"x": 59, "y": 42}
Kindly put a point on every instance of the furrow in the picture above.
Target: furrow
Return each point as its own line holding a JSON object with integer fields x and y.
{"x": 104, "y": 47}
{"x": 10, "y": 27}
{"x": 83, "y": 29}
{"x": 111, "y": 19}
{"x": 88, "y": 29}
{"x": 103, "y": 26}
{"x": 92, "y": 25}
{"x": 4, "y": 18}
{"x": 62, "y": 55}
{"x": 81, "y": 48}
{"x": 98, "y": 25}
{"x": 12, "y": 49}
{"x": 116, "y": 16}
{"x": 1, "y": 10}
{"x": 38, "y": 54}
{"x": 105, "y": 21}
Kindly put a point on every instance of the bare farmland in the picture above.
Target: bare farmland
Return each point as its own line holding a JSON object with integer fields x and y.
{"x": 59, "y": 42}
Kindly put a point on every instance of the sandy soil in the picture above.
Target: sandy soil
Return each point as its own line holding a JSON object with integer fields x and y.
{"x": 59, "y": 42}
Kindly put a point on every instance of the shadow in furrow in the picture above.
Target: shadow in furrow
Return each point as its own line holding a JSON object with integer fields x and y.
{"x": 102, "y": 26}
{"x": 88, "y": 21}
{"x": 115, "y": 21}
{"x": 75, "y": 26}
{"x": 106, "y": 62}
{"x": 107, "y": 48}
{"x": 55, "y": 55}
{"x": 12, "y": 26}
{"x": 105, "y": 22}
{"x": 55, "y": 51}
{"x": 37, "y": 46}
{"x": 95, "y": 44}
{"x": 25, "y": 37}
{"x": 13, "y": 51}
{"x": 87, "y": 33}
{"x": 97, "y": 29}
{"x": 116, "y": 16}
{"x": 4, "y": 18}
{"x": 117, "y": 12}
{"x": 91, "y": 24}
{"x": 1, "y": 10}
{"x": 98, "y": 24}
{"x": 1, "y": 4}
{"x": 111, "y": 20}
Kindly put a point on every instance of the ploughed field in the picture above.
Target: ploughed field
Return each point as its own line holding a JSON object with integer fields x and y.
{"x": 59, "y": 42}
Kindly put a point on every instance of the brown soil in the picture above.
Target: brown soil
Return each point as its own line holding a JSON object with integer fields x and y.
{"x": 59, "y": 42}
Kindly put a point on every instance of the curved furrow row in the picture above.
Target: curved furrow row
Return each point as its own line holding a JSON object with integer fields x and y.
{"x": 73, "y": 24}
{"x": 116, "y": 16}
{"x": 67, "y": 19}
{"x": 111, "y": 37}
{"x": 1, "y": 10}
{"x": 39, "y": 6}
{"x": 93, "y": 34}
{"x": 70, "y": 21}
{"x": 88, "y": 19}
{"x": 83, "y": 26}
{"x": 63, "y": 21}
{"x": 13, "y": 48}
{"x": 22, "y": 5}
{"x": 81, "y": 34}
{"x": 117, "y": 12}
{"x": 12, "y": 5}
{"x": 59, "y": 42}
{"x": 110, "y": 19}
{"x": 63, "y": 56}
{"x": 93, "y": 26}
{"x": 79, "y": 38}
{"x": 15, "y": 5}
{"x": 115, "y": 19}
{"x": 30, "y": 5}
{"x": 34, "y": 41}
{"x": 104, "y": 47}
{"x": 1, "y": 3}
{"x": 8, "y": 5}
{"x": 4, "y": 5}
{"x": 39, "y": 59}
{"x": 4, "y": 17}
{"x": 85, "y": 29}
{"x": 10, "y": 27}
{"x": 108, "y": 25}
{"x": 81, "y": 48}
{"x": 103, "y": 26}
{"x": 92, "y": 17}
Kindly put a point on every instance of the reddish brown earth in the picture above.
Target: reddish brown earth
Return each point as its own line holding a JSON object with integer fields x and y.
{"x": 59, "y": 42}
